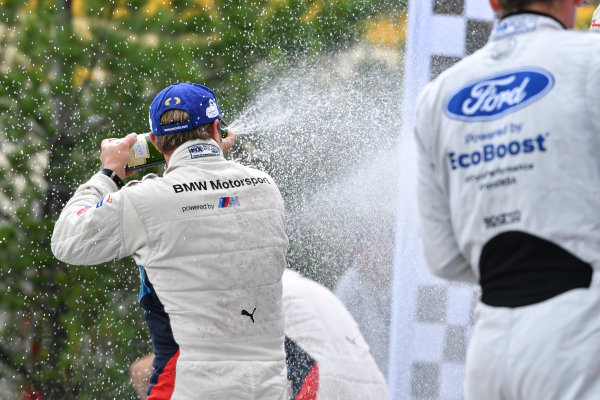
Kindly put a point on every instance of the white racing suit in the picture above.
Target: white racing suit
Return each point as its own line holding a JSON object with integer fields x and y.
{"x": 509, "y": 196}
{"x": 209, "y": 237}
{"x": 328, "y": 357}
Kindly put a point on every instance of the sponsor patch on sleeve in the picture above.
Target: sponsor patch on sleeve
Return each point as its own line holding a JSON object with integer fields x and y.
{"x": 83, "y": 210}
{"x": 106, "y": 199}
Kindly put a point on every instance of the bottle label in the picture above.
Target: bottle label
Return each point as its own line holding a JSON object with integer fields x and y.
{"x": 140, "y": 149}
{"x": 139, "y": 152}
{"x": 142, "y": 154}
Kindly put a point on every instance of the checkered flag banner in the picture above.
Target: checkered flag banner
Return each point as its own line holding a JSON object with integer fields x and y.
{"x": 431, "y": 318}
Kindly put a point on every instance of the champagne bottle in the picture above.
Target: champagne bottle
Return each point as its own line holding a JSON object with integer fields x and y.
{"x": 143, "y": 154}
{"x": 223, "y": 128}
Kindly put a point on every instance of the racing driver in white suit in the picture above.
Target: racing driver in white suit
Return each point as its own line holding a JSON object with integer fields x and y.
{"x": 209, "y": 237}
{"x": 509, "y": 197}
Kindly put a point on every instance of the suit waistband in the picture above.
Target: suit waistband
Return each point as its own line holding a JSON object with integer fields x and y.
{"x": 519, "y": 269}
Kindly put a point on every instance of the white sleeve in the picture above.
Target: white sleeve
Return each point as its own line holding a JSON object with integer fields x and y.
{"x": 592, "y": 84}
{"x": 98, "y": 224}
{"x": 438, "y": 242}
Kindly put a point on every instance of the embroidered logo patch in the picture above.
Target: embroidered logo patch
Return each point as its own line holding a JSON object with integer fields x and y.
{"x": 212, "y": 110}
{"x": 83, "y": 210}
{"x": 204, "y": 150}
{"x": 104, "y": 199}
{"x": 225, "y": 202}
{"x": 494, "y": 96}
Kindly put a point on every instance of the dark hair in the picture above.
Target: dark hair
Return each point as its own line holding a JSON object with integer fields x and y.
{"x": 169, "y": 142}
{"x": 518, "y": 5}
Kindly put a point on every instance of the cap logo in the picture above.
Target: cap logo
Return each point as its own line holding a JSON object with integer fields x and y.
{"x": 212, "y": 111}
{"x": 168, "y": 102}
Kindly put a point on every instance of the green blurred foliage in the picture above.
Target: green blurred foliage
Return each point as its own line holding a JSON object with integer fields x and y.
{"x": 73, "y": 73}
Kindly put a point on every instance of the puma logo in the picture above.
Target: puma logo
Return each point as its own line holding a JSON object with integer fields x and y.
{"x": 244, "y": 312}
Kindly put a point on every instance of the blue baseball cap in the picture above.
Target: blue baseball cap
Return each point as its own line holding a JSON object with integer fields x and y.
{"x": 198, "y": 100}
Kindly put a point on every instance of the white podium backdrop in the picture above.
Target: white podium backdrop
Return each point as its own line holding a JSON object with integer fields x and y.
{"x": 431, "y": 318}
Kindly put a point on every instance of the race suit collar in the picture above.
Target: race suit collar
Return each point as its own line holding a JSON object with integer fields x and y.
{"x": 194, "y": 151}
{"x": 534, "y": 13}
{"x": 523, "y": 22}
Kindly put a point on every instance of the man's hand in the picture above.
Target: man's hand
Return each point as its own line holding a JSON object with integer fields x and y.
{"x": 227, "y": 143}
{"x": 115, "y": 156}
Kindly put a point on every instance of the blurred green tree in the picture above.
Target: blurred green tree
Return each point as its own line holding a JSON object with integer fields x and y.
{"x": 72, "y": 73}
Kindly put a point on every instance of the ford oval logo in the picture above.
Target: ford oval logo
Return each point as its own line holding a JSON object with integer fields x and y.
{"x": 494, "y": 96}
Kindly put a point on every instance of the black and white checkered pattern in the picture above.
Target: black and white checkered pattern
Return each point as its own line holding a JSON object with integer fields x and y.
{"x": 447, "y": 310}
{"x": 440, "y": 314}
{"x": 463, "y": 21}
{"x": 444, "y": 315}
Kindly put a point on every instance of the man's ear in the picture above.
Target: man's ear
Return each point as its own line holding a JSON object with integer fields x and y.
{"x": 214, "y": 130}
{"x": 153, "y": 140}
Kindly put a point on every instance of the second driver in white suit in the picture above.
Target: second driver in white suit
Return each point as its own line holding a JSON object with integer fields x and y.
{"x": 509, "y": 195}
{"x": 326, "y": 354}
